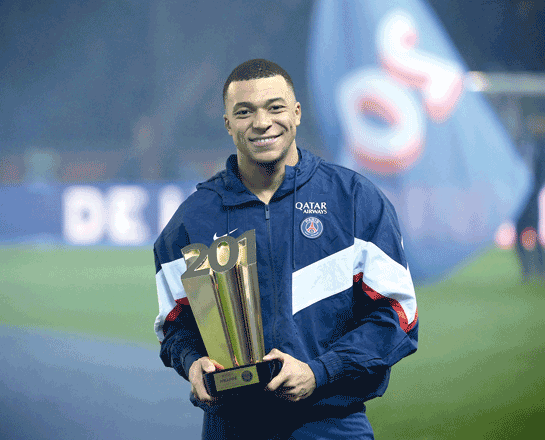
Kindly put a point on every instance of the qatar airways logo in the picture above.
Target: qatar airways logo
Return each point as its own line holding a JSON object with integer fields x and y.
{"x": 312, "y": 207}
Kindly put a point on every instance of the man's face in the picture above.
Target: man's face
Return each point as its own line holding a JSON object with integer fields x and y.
{"x": 262, "y": 115}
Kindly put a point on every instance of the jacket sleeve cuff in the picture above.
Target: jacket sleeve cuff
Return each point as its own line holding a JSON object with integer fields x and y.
{"x": 326, "y": 368}
{"x": 320, "y": 373}
{"x": 187, "y": 361}
{"x": 333, "y": 365}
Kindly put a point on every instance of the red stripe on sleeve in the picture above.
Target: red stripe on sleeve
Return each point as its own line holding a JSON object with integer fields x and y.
{"x": 412, "y": 324}
{"x": 374, "y": 295}
{"x": 178, "y": 309}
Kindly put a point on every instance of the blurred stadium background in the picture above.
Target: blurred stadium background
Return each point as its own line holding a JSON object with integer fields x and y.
{"x": 111, "y": 111}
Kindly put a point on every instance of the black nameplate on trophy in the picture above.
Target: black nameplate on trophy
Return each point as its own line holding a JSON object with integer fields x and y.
{"x": 241, "y": 379}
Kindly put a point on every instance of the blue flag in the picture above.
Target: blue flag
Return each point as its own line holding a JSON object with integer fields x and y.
{"x": 393, "y": 101}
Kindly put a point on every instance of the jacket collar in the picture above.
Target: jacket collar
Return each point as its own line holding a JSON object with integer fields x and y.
{"x": 233, "y": 192}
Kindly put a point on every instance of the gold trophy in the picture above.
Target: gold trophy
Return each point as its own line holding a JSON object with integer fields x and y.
{"x": 223, "y": 291}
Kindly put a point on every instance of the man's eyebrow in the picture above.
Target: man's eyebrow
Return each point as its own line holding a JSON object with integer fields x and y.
{"x": 251, "y": 105}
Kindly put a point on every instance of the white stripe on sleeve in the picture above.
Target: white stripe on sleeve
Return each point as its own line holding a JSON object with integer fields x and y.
{"x": 169, "y": 289}
{"x": 322, "y": 279}
{"x": 385, "y": 276}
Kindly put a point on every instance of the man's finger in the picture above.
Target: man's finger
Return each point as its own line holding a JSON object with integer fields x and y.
{"x": 208, "y": 366}
{"x": 201, "y": 366}
{"x": 277, "y": 381}
{"x": 201, "y": 393}
{"x": 281, "y": 377}
{"x": 274, "y": 354}
{"x": 217, "y": 365}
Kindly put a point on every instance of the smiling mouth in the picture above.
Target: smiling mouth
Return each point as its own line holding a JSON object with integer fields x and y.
{"x": 263, "y": 141}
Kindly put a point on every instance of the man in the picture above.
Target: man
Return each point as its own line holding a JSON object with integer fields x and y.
{"x": 337, "y": 299}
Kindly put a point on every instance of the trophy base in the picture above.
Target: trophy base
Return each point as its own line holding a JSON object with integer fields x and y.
{"x": 242, "y": 378}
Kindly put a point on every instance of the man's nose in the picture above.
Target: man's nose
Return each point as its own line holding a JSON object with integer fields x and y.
{"x": 262, "y": 119}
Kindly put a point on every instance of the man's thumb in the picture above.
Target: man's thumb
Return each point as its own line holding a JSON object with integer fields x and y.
{"x": 208, "y": 366}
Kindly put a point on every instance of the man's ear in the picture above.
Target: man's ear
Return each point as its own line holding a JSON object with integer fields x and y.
{"x": 227, "y": 124}
{"x": 297, "y": 113}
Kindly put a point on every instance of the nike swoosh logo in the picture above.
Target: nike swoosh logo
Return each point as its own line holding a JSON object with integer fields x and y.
{"x": 216, "y": 235}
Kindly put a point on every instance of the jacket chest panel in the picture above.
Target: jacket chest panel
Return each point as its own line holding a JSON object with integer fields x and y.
{"x": 322, "y": 227}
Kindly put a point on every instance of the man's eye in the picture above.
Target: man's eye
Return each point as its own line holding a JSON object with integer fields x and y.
{"x": 242, "y": 113}
{"x": 276, "y": 107}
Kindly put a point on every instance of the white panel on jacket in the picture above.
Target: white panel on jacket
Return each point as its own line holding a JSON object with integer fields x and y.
{"x": 322, "y": 279}
{"x": 385, "y": 276}
{"x": 169, "y": 289}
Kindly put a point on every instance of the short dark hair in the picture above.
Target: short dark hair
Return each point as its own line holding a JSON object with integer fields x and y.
{"x": 254, "y": 69}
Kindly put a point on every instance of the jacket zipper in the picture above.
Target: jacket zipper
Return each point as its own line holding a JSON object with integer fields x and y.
{"x": 271, "y": 262}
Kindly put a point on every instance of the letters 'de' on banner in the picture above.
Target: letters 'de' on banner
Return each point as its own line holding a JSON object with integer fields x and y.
{"x": 223, "y": 291}
{"x": 393, "y": 103}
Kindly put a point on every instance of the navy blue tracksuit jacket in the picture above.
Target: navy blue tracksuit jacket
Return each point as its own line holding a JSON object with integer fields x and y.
{"x": 336, "y": 290}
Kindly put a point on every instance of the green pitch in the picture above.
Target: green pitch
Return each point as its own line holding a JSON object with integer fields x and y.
{"x": 478, "y": 373}
{"x": 104, "y": 291}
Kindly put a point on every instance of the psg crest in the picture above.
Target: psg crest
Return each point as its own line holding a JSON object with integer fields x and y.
{"x": 312, "y": 227}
